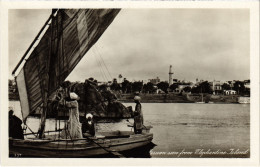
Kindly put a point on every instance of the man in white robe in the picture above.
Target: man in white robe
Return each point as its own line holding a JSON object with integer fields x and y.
{"x": 72, "y": 129}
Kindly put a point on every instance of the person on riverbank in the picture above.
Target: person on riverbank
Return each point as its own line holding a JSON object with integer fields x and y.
{"x": 15, "y": 126}
{"x": 138, "y": 116}
{"x": 72, "y": 129}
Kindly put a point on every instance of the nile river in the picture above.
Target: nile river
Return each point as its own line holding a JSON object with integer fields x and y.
{"x": 186, "y": 129}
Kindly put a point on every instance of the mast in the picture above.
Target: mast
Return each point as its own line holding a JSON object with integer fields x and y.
{"x": 46, "y": 86}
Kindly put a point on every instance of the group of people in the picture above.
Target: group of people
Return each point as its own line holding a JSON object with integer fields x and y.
{"x": 74, "y": 128}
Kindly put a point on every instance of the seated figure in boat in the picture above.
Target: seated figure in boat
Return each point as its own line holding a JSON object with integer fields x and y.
{"x": 88, "y": 126}
{"x": 72, "y": 129}
{"x": 15, "y": 126}
{"x": 138, "y": 116}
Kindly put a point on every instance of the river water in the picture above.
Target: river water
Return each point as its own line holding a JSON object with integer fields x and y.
{"x": 185, "y": 129}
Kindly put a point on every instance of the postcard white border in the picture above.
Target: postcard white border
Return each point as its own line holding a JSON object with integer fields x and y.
{"x": 254, "y": 76}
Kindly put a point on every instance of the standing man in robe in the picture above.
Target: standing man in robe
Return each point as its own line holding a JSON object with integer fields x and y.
{"x": 138, "y": 116}
{"x": 72, "y": 128}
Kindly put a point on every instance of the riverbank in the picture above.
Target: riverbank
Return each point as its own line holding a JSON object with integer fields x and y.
{"x": 186, "y": 98}
{"x": 167, "y": 98}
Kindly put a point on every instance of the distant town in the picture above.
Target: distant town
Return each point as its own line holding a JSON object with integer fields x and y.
{"x": 175, "y": 86}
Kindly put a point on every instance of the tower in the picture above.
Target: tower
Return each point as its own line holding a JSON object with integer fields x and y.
{"x": 170, "y": 75}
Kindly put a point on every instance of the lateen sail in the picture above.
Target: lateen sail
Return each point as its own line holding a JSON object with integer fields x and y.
{"x": 71, "y": 34}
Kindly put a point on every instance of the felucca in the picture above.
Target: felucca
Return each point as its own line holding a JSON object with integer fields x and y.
{"x": 68, "y": 34}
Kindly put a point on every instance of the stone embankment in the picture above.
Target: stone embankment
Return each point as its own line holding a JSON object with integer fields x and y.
{"x": 185, "y": 98}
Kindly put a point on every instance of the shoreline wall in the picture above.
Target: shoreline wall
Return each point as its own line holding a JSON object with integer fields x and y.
{"x": 173, "y": 98}
{"x": 154, "y": 98}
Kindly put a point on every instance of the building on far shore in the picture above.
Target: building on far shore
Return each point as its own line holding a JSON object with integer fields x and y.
{"x": 230, "y": 92}
{"x": 182, "y": 86}
{"x": 216, "y": 87}
{"x": 198, "y": 82}
{"x": 154, "y": 81}
{"x": 247, "y": 84}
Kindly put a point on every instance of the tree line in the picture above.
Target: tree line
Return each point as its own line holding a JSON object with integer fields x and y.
{"x": 203, "y": 87}
{"x": 139, "y": 86}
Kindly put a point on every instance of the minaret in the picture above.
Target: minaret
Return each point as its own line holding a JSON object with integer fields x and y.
{"x": 170, "y": 75}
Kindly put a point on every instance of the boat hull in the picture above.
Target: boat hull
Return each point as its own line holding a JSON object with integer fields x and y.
{"x": 76, "y": 148}
{"x": 244, "y": 100}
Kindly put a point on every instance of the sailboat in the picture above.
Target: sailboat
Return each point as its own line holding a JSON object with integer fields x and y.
{"x": 69, "y": 34}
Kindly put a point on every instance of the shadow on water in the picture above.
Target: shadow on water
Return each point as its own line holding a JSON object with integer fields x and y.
{"x": 141, "y": 152}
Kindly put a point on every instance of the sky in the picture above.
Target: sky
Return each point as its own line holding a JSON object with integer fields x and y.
{"x": 141, "y": 44}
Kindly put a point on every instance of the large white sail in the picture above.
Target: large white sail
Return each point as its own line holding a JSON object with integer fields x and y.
{"x": 70, "y": 35}
{"x": 25, "y": 108}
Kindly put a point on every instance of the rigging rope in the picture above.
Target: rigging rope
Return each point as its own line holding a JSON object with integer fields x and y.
{"x": 100, "y": 55}
{"x": 100, "y": 67}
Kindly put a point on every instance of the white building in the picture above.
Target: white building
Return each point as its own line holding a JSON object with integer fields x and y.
{"x": 181, "y": 87}
{"x": 247, "y": 84}
{"x": 230, "y": 92}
